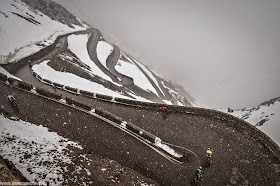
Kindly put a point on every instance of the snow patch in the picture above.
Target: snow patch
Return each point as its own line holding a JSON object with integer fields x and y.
{"x": 3, "y": 71}
{"x": 27, "y": 37}
{"x": 166, "y": 148}
{"x": 103, "y": 51}
{"x": 264, "y": 117}
{"x": 35, "y": 151}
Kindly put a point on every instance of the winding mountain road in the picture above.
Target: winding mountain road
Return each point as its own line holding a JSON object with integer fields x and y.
{"x": 235, "y": 151}
{"x": 111, "y": 62}
{"x": 240, "y": 158}
{"x": 91, "y": 47}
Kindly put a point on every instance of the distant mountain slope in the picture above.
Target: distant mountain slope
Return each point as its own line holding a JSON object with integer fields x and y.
{"x": 84, "y": 61}
{"x": 54, "y": 11}
{"x": 265, "y": 117}
{"x": 25, "y": 28}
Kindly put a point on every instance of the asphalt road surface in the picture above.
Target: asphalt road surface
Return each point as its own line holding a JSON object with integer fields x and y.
{"x": 238, "y": 158}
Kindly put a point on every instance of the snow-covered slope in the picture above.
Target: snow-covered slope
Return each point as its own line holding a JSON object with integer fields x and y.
{"x": 46, "y": 158}
{"x": 20, "y": 141}
{"x": 25, "y": 30}
{"x": 265, "y": 117}
{"x": 27, "y": 26}
{"x": 131, "y": 79}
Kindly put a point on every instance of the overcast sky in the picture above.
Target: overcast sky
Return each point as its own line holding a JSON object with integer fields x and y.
{"x": 224, "y": 53}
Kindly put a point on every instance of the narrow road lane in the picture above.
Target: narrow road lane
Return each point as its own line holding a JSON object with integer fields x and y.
{"x": 111, "y": 63}
{"x": 91, "y": 47}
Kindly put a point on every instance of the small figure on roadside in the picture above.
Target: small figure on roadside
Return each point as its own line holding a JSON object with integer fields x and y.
{"x": 209, "y": 157}
{"x": 198, "y": 175}
{"x": 209, "y": 153}
{"x": 54, "y": 87}
{"x": 12, "y": 100}
{"x": 164, "y": 112}
{"x": 230, "y": 110}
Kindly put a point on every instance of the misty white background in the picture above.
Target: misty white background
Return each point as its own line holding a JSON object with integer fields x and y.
{"x": 224, "y": 53}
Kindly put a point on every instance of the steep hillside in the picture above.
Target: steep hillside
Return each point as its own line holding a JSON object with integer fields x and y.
{"x": 85, "y": 59}
{"x": 45, "y": 157}
{"x": 27, "y": 28}
{"x": 54, "y": 11}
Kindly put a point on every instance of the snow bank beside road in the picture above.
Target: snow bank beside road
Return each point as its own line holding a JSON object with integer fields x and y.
{"x": 35, "y": 151}
{"x": 3, "y": 71}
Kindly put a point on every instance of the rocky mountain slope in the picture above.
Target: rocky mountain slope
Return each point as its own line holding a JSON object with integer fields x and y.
{"x": 25, "y": 30}
{"x": 85, "y": 57}
{"x": 265, "y": 117}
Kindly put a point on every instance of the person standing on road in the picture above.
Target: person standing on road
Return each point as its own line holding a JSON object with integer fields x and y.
{"x": 54, "y": 87}
{"x": 209, "y": 153}
{"x": 198, "y": 174}
{"x": 209, "y": 157}
{"x": 11, "y": 98}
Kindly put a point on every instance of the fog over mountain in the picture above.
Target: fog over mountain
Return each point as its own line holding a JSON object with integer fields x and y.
{"x": 224, "y": 53}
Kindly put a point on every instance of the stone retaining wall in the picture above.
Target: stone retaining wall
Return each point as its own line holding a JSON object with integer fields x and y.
{"x": 71, "y": 89}
{"x": 101, "y": 96}
{"x": 86, "y": 93}
{"x": 109, "y": 116}
{"x": 47, "y": 93}
{"x": 77, "y": 103}
{"x": 25, "y": 86}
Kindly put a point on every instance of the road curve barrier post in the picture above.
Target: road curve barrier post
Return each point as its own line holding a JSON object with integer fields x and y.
{"x": 13, "y": 81}
{"x": 57, "y": 85}
{"x": 109, "y": 116}
{"x": 81, "y": 104}
{"x": 47, "y": 93}
{"x": 75, "y": 90}
{"x": 25, "y": 85}
{"x": 86, "y": 93}
{"x": 47, "y": 81}
{"x": 69, "y": 101}
{"x": 105, "y": 97}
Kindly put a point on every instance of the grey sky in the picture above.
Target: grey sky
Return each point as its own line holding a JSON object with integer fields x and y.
{"x": 225, "y": 53}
